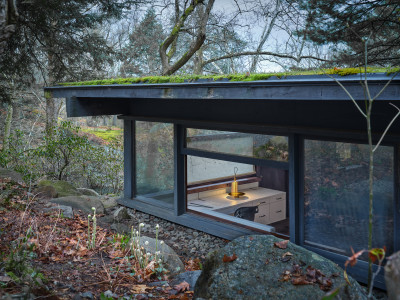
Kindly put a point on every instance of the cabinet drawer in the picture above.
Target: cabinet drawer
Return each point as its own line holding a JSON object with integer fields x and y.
{"x": 263, "y": 214}
{"x": 280, "y": 197}
{"x": 277, "y": 211}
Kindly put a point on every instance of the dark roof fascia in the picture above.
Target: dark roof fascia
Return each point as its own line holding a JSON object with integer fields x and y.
{"x": 324, "y": 88}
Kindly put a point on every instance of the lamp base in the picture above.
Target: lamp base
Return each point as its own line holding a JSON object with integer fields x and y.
{"x": 236, "y": 194}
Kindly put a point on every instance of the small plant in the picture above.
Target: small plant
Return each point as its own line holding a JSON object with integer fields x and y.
{"x": 17, "y": 265}
{"x": 375, "y": 254}
{"x": 91, "y": 242}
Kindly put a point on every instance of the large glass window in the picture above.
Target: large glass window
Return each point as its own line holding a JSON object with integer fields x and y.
{"x": 261, "y": 194}
{"x": 244, "y": 144}
{"x": 155, "y": 161}
{"x": 336, "y": 201}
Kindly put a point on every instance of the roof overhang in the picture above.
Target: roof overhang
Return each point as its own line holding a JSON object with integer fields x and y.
{"x": 296, "y": 101}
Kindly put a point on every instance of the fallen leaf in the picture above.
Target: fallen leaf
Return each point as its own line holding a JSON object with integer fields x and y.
{"x": 183, "y": 286}
{"x": 282, "y": 244}
{"x": 229, "y": 258}
{"x": 352, "y": 260}
{"x": 302, "y": 280}
{"x": 332, "y": 294}
{"x": 139, "y": 289}
{"x": 287, "y": 254}
{"x": 251, "y": 238}
{"x": 267, "y": 261}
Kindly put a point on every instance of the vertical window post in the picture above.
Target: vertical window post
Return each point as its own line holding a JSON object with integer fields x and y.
{"x": 129, "y": 159}
{"x": 179, "y": 171}
{"x": 294, "y": 188}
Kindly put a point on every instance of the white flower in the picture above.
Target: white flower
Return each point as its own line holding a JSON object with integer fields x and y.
{"x": 146, "y": 243}
{"x": 89, "y": 216}
{"x": 137, "y": 232}
{"x": 159, "y": 261}
{"x": 148, "y": 254}
{"x": 162, "y": 242}
{"x": 157, "y": 226}
{"x": 93, "y": 208}
{"x": 158, "y": 252}
{"x": 141, "y": 225}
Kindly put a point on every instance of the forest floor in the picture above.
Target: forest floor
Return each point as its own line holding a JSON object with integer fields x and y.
{"x": 46, "y": 255}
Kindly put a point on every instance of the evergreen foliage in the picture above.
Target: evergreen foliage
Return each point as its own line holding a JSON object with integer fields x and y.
{"x": 343, "y": 23}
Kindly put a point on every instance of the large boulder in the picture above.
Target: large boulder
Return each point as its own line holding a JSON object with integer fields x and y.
{"x": 62, "y": 188}
{"x": 13, "y": 175}
{"x": 392, "y": 276}
{"x": 84, "y": 203}
{"x": 88, "y": 192}
{"x": 254, "y": 268}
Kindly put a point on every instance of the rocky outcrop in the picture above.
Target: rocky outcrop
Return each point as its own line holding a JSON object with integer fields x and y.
{"x": 88, "y": 192}
{"x": 392, "y": 276}
{"x": 62, "y": 188}
{"x": 253, "y": 267}
{"x": 84, "y": 203}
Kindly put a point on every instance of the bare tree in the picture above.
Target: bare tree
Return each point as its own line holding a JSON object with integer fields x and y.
{"x": 168, "y": 47}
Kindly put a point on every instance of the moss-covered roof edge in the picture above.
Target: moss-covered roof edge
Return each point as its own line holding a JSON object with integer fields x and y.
{"x": 229, "y": 77}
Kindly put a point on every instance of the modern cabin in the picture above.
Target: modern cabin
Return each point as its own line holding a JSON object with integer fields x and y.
{"x": 283, "y": 156}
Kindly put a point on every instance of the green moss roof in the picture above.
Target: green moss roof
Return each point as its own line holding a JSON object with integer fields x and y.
{"x": 230, "y": 77}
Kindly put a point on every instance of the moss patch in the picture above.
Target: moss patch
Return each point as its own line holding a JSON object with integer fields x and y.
{"x": 229, "y": 77}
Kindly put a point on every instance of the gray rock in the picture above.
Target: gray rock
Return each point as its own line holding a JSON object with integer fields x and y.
{"x": 84, "y": 203}
{"x": 63, "y": 188}
{"x": 87, "y": 295}
{"x": 121, "y": 214}
{"x": 171, "y": 260}
{"x": 88, "y": 192}
{"x": 257, "y": 273}
{"x": 109, "y": 202}
{"x": 108, "y": 293}
{"x": 121, "y": 228}
{"x": 67, "y": 211}
{"x": 13, "y": 175}
{"x": 46, "y": 192}
{"x": 189, "y": 276}
{"x": 392, "y": 276}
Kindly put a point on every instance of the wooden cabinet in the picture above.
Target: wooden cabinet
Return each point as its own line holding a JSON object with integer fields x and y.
{"x": 271, "y": 204}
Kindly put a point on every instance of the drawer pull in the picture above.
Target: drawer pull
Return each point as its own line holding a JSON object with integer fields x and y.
{"x": 261, "y": 203}
{"x": 279, "y": 198}
{"x": 262, "y": 216}
{"x": 278, "y": 211}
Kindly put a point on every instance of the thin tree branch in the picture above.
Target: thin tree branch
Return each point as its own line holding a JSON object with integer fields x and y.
{"x": 281, "y": 55}
{"x": 348, "y": 94}
{"x": 388, "y": 127}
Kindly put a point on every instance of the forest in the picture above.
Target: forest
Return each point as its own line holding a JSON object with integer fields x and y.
{"x": 51, "y": 42}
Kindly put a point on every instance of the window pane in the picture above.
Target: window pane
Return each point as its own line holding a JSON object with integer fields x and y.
{"x": 336, "y": 196}
{"x": 155, "y": 161}
{"x": 245, "y": 144}
{"x": 201, "y": 169}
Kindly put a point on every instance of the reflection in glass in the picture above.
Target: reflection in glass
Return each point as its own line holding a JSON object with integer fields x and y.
{"x": 155, "y": 161}
{"x": 245, "y": 144}
{"x": 336, "y": 200}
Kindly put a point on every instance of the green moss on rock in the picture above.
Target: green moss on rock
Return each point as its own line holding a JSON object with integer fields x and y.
{"x": 63, "y": 188}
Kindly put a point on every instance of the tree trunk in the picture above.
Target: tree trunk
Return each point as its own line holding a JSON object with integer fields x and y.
{"x": 7, "y": 128}
{"x": 51, "y": 113}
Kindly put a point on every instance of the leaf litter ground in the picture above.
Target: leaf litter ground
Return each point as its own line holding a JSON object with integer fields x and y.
{"x": 60, "y": 252}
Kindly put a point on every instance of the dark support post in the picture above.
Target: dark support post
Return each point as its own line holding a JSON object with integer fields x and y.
{"x": 396, "y": 233}
{"x": 294, "y": 188}
{"x": 179, "y": 171}
{"x": 129, "y": 159}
